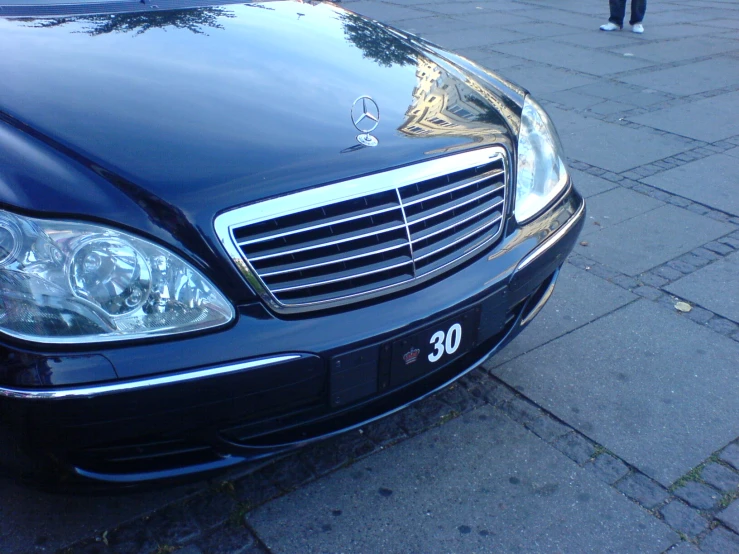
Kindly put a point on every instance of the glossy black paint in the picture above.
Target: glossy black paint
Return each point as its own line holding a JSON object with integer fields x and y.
{"x": 112, "y": 119}
{"x": 252, "y": 103}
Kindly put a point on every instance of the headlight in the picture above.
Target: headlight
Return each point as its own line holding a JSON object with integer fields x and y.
{"x": 541, "y": 173}
{"x": 65, "y": 282}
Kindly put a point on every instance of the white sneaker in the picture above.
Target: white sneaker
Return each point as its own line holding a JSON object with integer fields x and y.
{"x": 637, "y": 28}
{"x": 610, "y": 27}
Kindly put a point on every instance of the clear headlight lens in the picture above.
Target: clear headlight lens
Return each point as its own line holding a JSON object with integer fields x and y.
{"x": 541, "y": 171}
{"x": 67, "y": 282}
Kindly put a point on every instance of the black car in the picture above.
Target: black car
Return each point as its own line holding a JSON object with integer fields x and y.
{"x": 227, "y": 230}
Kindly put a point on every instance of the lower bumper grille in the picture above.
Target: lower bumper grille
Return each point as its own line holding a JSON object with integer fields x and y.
{"x": 356, "y": 239}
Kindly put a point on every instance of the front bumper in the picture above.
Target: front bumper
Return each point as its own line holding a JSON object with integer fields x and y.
{"x": 225, "y": 399}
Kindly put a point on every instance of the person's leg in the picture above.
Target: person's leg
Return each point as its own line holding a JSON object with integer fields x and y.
{"x": 618, "y": 11}
{"x": 638, "y": 9}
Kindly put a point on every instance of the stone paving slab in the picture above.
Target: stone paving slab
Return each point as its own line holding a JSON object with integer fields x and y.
{"x": 472, "y": 37}
{"x": 430, "y": 25}
{"x": 703, "y": 120}
{"x": 541, "y": 79}
{"x": 387, "y": 12}
{"x": 660, "y": 405}
{"x": 612, "y": 146}
{"x": 722, "y": 23}
{"x": 571, "y": 57}
{"x": 615, "y": 206}
{"x": 703, "y": 76}
{"x": 570, "y": 99}
{"x": 674, "y": 31}
{"x": 584, "y": 21}
{"x": 480, "y": 484}
{"x": 711, "y": 181}
{"x": 543, "y": 30}
{"x": 686, "y": 49}
{"x": 590, "y": 185}
{"x": 651, "y": 239}
{"x": 590, "y": 39}
{"x": 570, "y": 125}
{"x": 579, "y": 297}
{"x": 715, "y": 287}
{"x": 487, "y": 59}
{"x": 612, "y": 90}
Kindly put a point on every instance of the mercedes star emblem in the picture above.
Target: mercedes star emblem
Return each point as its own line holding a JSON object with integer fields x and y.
{"x": 366, "y": 117}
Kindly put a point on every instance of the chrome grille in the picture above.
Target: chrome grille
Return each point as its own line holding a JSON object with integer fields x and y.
{"x": 345, "y": 242}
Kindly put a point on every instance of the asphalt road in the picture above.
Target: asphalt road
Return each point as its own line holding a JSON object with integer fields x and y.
{"x": 610, "y": 424}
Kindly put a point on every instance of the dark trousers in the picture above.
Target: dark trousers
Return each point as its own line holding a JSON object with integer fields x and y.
{"x": 618, "y": 11}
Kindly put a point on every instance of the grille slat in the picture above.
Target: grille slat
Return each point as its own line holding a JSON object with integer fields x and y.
{"x": 318, "y": 244}
{"x": 308, "y": 283}
{"x": 428, "y": 232}
{"x": 410, "y": 199}
{"x": 290, "y": 268}
{"x": 457, "y": 208}
{"x": 454, "y": 239}
{"x": 348, "y": 241}
{"x": 296, "y": 229}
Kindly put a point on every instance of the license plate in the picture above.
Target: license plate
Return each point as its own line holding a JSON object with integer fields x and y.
{"x": 423, "y": 352}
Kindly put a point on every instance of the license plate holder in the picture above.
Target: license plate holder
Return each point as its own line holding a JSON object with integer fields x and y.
{"x": 424, "y": 351}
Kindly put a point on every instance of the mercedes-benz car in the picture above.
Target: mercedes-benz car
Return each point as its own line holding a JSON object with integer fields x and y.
{"x": 227, "y": 230}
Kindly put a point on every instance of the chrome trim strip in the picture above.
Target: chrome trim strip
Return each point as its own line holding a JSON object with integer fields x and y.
{"x": 354, "y": 188}
{"x": 460, "y": 222}
{"x": 348, "y": 258}
{"x": 552, "y": 239}
{"x": 427, "y": 215}
{"x": 223, "y": 463}
{"x": 460, "y": 239}
{"x": 542, "y": 301}
{"x": 407, "y": 230}
{"x": 339, "y": 279}
{"x": 227, "y": 222}
{"x": 489, "y": 175}
{"x": 318, "y": 226}
{"x": 331, "y": 243}
{"x": 111, "y": 388}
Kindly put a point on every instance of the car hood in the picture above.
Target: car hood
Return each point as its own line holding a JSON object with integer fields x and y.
{"x": 200, "y": 110}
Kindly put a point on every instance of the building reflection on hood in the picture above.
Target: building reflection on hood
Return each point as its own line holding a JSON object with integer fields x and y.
{"x": 445, "y": 105}
{"x": 442, "y": 104}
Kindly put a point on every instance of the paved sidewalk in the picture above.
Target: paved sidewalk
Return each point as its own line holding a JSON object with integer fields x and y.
{"x": 611, "y": 423}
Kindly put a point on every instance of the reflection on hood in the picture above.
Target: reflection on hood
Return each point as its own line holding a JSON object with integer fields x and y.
{"x": 197, "y": 21}
{"x": 376, "y": 42}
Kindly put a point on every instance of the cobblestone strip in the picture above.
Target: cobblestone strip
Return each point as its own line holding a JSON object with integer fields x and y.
{"x": 702, "y": 506}
{"x": 651, "y": 284}
{"x": 631, "y": 178}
